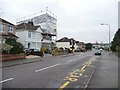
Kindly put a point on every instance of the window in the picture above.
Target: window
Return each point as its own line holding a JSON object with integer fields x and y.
{"x": 10, "y": 28}
{"x": 29, "y": 34}
{"x": 1, "y": 28}
{"x": 37, "y": 35}
{"x": 33, "y": 34}
{"x": 33, "y": 45}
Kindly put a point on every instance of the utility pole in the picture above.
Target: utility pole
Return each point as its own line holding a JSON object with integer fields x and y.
{"x": 108, "y": 36}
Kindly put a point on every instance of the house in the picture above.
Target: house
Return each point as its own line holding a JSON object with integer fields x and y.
{"x": 63, "y": 42}
{"x": 7, "y": 30}
{"x": 29, "y": 35}
{"x": 47, "y": 24}
{"x": 66, "y": 43}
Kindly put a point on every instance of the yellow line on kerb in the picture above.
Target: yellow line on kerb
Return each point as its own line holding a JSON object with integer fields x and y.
{"x": 63, "y": 86}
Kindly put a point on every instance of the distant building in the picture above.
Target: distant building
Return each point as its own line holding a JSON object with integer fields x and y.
{"x": 47, "y": 23}
{"x": 67, "y": 43}
{"x": 29, "y": 35}
{"x": 63, "y": 42}
{"x": 7, "y": 30}
{"x": 82, "y": 45}
{"x": 100, "y": 45}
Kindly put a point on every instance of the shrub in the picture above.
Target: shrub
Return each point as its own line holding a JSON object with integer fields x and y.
{"x": 47, "y": 51}
{"x": 5, "y": 48}
{"x": 56, "y": 51}
{"x": 43, "y": 49}
{"x": 17, "y": 46}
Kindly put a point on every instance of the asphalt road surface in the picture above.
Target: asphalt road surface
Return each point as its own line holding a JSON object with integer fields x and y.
{"x": 74, "y": 71}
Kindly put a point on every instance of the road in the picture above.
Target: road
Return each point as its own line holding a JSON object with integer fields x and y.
{"x": 74, "y": 71}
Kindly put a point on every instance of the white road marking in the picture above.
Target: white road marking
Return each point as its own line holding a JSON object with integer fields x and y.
{"x": 47, "y": 67}
{"x": 90, "y": 78}
{"x": 70, "y": 60}
{"x": 6, "y": 80}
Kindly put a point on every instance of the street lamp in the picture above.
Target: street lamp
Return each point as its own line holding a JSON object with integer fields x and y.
{"x": 109, "y": 35}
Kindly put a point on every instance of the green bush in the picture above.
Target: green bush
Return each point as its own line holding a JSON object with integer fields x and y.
{"x": 17, "y": 46}
{"x": 5, "y": 48}
{"x": 56, "y": 51}
{"x": 43, "y": 49}
{"x": 47, "y": 51}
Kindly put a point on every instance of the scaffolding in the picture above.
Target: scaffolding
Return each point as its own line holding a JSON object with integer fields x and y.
{"x": 48, "y": 24}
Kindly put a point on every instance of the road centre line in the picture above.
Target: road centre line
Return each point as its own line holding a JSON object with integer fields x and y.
{"x": 6, "y": 80}
{"x": 47, "y": 67}
{"x": 70, "y": 60}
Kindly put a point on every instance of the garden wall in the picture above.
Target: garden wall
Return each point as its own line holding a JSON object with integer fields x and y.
{"x": 4, "y": 57}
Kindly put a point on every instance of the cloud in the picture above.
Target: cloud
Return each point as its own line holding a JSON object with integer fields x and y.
{"x": 80, "y": 19}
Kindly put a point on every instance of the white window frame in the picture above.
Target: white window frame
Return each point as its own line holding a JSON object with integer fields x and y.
{"x": 10, "y": 28}
{"x": 1, "y": 27}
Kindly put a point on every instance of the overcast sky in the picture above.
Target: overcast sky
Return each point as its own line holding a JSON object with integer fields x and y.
{"x": 78, "y": 19}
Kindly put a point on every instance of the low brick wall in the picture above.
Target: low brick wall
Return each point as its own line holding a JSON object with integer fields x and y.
{"x": 4, "y": 57}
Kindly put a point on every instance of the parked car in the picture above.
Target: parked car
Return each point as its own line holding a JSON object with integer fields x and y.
{"x": 98, "y": 52}
{"x": 77, "y": 50}
{"x": 36, "y": 52}
{"x": 82, "y": 49}
{"x": 27, "y": 51}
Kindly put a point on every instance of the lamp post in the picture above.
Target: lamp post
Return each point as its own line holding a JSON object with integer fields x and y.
{"x": 109, "y": 35}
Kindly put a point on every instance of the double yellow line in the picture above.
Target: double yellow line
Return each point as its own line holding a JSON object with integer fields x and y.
{"x": 68, "y": 82}
{"x": 64, "y": 85}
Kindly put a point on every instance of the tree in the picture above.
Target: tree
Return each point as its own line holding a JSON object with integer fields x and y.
{"x": 17, "y": 46}
{"x": 116, "y": 42}
{"x": 88, "y": 46}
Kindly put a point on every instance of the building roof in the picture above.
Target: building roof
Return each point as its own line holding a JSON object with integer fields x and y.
{"x": 4, "y": 21}
{"x": 8, "y": 35}
{"x": 64, "y": 39}
{"x": 28, "y": 25}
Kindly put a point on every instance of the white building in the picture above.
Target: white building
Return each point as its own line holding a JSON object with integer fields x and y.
{"x": 29, "y": 35}
{"x": 47, "y": 24}
{"x": 66, "y": 43}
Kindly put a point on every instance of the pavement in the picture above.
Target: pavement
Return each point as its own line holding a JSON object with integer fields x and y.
{"x": 106, "y": 74}
{"x": 29, "y": 59}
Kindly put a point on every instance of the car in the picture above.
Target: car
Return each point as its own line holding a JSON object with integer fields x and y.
{"x": 36, "y": 52}
{"x": 27, "y": 51}
{"x": 98, "y": 52}
{"x": 77, "y": 50}
{"x": 82, "y": 49}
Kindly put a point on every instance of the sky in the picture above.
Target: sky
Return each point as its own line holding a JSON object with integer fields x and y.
{"x": 78, "y": 19}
